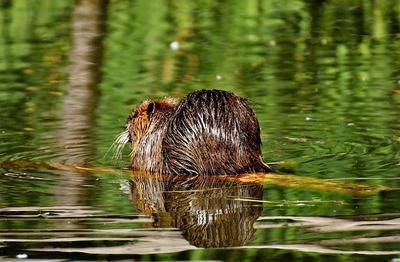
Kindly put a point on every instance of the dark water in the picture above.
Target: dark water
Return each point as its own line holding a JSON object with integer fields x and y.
{"x": 322, "y": 76}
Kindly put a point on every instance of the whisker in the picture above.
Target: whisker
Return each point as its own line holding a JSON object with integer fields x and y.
{"x": 118, "y": 145}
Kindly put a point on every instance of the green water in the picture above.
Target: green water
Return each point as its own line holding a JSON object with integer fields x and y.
{"x": 322, "y": 76}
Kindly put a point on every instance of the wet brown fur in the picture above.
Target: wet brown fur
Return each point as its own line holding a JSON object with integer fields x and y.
{"x": 208, "y": 132}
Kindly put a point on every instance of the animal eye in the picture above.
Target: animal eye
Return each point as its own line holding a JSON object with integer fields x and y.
{"x": 151, "y": 108}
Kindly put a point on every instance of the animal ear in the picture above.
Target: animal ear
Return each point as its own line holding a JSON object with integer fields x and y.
{"x": 151, "y": 108}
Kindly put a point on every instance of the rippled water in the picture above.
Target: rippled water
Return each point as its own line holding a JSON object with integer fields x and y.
{"x": 322, "y": 77}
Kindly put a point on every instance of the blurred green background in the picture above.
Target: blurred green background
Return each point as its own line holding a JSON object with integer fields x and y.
{"x": 322, "y": 76}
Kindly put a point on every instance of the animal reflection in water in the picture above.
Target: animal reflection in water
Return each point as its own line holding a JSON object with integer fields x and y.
{"x": 206, "y": 210}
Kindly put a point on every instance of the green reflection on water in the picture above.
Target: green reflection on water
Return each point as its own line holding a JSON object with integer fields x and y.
{"x": 322, "y": 77}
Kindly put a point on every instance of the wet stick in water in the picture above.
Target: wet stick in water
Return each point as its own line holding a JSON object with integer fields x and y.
{"x": 281, "y": 180}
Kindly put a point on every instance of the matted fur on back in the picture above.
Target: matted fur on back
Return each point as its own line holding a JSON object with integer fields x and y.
{"x": 212, "y": 132}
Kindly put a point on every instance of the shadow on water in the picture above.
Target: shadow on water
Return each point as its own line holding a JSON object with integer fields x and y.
{"x": 77, "y": 116}
{"x": 208, "y": 213}
{"x": 206, "y": 210}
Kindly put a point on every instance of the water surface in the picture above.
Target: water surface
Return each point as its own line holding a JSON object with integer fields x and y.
{"x": 322, "y": 77}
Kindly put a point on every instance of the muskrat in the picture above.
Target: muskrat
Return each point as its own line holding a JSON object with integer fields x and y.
{"x": 208, "y": 132}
